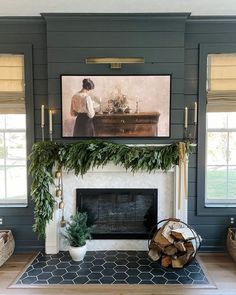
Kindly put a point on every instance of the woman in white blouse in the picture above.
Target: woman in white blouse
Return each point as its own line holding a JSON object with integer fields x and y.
{"x": 82, "y": 108}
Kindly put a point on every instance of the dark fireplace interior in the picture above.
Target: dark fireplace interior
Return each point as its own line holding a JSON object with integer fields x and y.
{"x": 119, "y": 213}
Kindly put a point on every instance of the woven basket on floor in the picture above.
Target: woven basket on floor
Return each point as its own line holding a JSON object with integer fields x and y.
{"x": 7, "y": 245}
{"x": 231, "y": 242}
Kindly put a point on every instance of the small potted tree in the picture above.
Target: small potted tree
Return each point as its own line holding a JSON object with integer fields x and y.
{"x": 77, "y": 233}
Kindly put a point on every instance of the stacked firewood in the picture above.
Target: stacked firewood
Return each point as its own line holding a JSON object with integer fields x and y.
{"x": 174, "y": 244}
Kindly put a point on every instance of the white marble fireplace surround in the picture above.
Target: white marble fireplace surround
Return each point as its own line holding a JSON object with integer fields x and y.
{"x": 112, "y": 176}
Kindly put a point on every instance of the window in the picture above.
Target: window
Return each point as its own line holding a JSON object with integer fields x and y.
{"x": 221, "y": 158}
{"x": 220, "y": 184}
{"x": 13, "y": 155}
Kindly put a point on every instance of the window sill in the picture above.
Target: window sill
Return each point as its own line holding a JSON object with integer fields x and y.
{"x": 220, "y": 205}
{"x": 13, "y": 205}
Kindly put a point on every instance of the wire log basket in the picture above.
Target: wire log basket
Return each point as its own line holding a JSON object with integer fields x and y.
{"x": 196, "y": 240}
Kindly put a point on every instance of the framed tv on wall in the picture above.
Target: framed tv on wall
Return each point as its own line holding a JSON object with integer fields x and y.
{"x": 115, "y": 106}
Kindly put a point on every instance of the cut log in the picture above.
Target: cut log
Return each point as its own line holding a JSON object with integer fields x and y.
{"x": 155, "y": 245}
{"x": 160, "y": 239}
{"x": 166, "y": 260}
{"x": 154, "y": 254}
{"x": 167, "y": 229}
{"x": 180, "y": 246}
{"x": 190, "y": 247}
{"x": 184, "y": 233}
{"x": 173, "y": 244}
{"x": 170, "y": 250}
{"x": 179, "y": 262}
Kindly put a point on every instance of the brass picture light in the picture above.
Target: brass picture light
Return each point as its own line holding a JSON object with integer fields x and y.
{"x": 115, "y": 62}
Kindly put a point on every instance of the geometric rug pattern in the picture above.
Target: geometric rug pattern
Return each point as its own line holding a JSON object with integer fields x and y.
{"x": 107, "y": 267}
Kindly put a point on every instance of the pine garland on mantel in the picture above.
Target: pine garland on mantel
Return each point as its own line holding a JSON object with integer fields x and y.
{"x": 82, "y": 156}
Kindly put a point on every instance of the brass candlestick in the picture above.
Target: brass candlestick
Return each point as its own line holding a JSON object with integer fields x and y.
{"x": 185, "y": 133}
{"x": 42, "y": 130}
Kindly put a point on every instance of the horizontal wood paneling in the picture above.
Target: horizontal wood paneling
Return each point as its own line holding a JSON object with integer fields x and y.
{"x": 23, "y": 232}
{"x": 102, "y": 25}
{"x": 212, "y": 228}
{"x": 169, "y": 46}
{"x": 163, "y": 51}
{"x": 41, "y": 86}
{"x": 203, "y": 220}
{"x": 38, "y": 40}
{"x": 29, "y": 245}
{"x": 210, "y": 27}
{"x": 190, "y": 98}
{"x": 27, "y": 219}
{"x": 117, "y": 39}
{"x": 191, "y": 56}
{"x": 26, "y": 31}
{"x": 40, "y": 71}
{"x": 40, "y": 99}
{"x": 192, "y": 174}
{"x": 190, "y": 86}
{"x": 176, "y": 69}
{"x": 23, "y": 26}
{"x": 192, "y": 40}
{"x": 191, "y": 190}
{"x": 71, "y": 40}
{"x": 78, "y": 55}
{"x": 191, "y": 71}
{"x": 211, "y": 231}
{"x": 40, "y": 56}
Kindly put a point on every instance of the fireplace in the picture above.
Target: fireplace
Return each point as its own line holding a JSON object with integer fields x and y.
{"x": 119, "y": 213}
{"x": 111, "y": 177}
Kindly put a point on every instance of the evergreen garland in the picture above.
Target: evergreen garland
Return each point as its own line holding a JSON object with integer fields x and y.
{"x": 82, "y": 156}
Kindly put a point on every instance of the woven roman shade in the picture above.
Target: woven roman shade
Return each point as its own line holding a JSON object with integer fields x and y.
{"x": 221, "y": 82}
{"x": 12, "y": 92}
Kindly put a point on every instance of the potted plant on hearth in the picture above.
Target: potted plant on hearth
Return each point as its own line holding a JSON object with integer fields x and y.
{"x": 77, "y": 233}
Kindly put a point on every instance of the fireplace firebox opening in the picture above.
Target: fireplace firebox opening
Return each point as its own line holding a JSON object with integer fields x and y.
{"x": 119, "y": 213}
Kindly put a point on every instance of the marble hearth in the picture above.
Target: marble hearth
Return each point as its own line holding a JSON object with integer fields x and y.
{"x": 171, "y": 202}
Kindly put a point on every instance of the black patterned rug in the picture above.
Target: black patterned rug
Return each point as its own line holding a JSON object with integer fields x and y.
{"x": 108, "y": 267}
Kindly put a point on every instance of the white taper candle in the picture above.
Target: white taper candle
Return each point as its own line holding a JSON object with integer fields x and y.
{"x": 42, "y": 115}
{"x": 195, "y": 112}
{"x": 186, "y": 118}
{"x": 50, "y": 121}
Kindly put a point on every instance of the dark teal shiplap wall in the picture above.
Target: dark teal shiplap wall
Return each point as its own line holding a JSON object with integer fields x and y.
{"x": 201, "y": 31}
{"x": 13, "y": 32}
{"x": 170, "y": 45}
{"x": 160, "y": 40}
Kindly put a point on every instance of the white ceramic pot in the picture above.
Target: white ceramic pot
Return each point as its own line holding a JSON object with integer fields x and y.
{"x": 78, "y": 253}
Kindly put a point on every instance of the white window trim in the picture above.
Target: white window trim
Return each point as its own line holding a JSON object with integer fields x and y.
{"x": 11, "y": 202}
{"x": 223, "y": 202}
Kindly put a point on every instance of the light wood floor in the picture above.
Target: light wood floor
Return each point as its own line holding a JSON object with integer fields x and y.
{"x": 220, "y": 268}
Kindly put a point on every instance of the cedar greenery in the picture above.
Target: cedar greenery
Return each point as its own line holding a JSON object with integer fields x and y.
{"x": 82, "y": 156}
{"x": 77, "y": 231}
